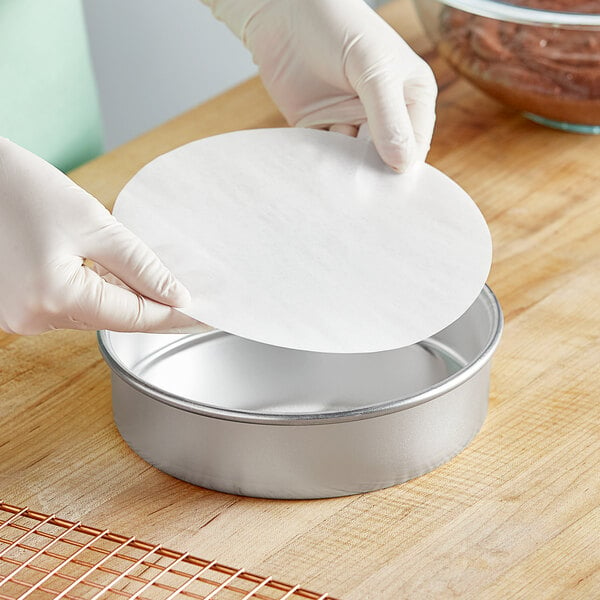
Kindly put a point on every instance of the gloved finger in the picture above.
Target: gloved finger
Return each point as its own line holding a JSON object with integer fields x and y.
{"x": 349, "y": 110}
{"x": 107, "y": 275}
{"x": 388, "y": 118}
{"x": 420, "y": 101}
{"x": 123, "y": 254}
{"x": 194, "y": 327}
{"x": 93, "y": 303}
{"x": 345, "y": 129}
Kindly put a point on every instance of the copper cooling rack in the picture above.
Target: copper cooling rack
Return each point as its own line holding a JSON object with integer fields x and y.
{"x": 44, "y": 557}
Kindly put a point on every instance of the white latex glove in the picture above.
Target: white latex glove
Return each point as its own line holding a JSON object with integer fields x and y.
{"x": 336, "y": 64}
{"x": 48, "y": 225}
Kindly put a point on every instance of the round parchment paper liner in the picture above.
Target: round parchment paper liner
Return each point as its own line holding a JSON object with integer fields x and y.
{"x": 305, "y": 239}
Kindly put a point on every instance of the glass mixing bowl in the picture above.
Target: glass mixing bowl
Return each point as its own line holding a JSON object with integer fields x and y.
{"x": 541, "y": 57}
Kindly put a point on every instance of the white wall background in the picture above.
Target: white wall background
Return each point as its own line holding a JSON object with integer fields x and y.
{"x": 155, "y": 59}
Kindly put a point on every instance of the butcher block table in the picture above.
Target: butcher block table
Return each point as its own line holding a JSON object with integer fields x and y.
{"x": 515, "y": 515}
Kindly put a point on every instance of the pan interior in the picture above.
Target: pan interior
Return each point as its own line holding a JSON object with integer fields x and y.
{"x": 222, "y": 372}
{"x": 226, "y": 371}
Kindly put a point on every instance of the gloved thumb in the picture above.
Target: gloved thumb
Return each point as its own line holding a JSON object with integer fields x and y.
{"x": 389, "y": 121}
{"x": 399, "y": 105}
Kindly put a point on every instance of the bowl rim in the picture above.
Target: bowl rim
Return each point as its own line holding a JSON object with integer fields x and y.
{"x": 525, "y": 15}
{"x": 496, "y": 322}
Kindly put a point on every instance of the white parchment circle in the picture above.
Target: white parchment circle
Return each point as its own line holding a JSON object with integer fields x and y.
{"x": 306, "y": 239}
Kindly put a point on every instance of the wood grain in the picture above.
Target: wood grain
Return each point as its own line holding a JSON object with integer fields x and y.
{"x": 516, "y": 515}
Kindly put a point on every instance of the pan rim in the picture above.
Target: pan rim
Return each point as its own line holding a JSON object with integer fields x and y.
{"x": 313, "y": 419}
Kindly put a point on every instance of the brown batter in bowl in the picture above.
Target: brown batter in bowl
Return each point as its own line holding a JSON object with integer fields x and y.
{"x": 549, "y": 72}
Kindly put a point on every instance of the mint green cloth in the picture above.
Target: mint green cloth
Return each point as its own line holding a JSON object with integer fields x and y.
{"x": 48, "y": 100}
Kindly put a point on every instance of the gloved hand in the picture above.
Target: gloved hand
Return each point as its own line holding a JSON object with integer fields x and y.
{"x": 336, "y": 64}
{"x": 48, "y": 225}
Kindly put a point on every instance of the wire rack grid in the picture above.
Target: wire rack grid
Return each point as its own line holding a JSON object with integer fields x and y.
{"x": 44, "y": 557}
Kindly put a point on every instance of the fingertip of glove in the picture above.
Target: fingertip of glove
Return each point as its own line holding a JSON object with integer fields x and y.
{"x": 177, "y": 294}
{"x": 399, "y": 154}
{"x": 399, "y": 159}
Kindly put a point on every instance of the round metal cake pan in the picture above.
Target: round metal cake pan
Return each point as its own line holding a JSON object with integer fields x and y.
{"x": 247, "y": 418}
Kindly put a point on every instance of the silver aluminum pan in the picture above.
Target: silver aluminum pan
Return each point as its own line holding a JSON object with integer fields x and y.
{"x": 247, "y": 418}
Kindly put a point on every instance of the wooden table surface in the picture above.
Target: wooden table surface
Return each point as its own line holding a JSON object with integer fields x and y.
{"x": 515, "y": 515}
